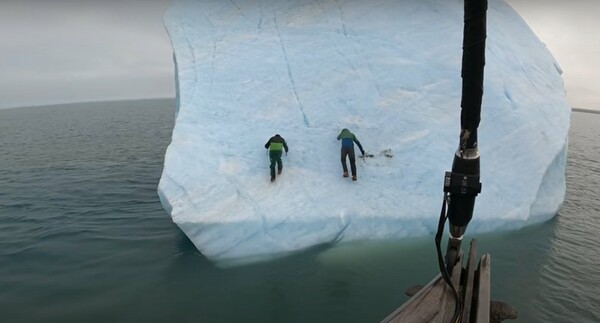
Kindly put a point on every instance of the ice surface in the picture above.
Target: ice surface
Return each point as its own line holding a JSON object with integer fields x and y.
{"x": 390, "y": 72}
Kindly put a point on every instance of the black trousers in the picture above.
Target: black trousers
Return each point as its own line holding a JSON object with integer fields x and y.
{"x": 349, "y": 151}
{"x": 275, "y": 157}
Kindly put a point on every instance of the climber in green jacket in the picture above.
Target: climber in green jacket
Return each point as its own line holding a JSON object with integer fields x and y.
{"x": 276, "y": 145}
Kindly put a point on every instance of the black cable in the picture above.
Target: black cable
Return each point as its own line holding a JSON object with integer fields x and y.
{"x": 457, "y": 316}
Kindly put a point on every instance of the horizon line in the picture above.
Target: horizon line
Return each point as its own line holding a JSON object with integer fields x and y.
{"x": 585, "y": 110}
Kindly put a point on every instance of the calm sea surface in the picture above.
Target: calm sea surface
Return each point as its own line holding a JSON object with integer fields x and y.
{"x": 83, "y": 238}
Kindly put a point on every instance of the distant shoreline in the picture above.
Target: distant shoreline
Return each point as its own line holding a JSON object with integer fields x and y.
{"x": 585, "y": 110}
{"x": 88, "y": 103}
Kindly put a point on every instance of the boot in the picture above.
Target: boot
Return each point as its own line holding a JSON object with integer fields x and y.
{"x": 353, "y": 177}
{"x": 345, "y": 174}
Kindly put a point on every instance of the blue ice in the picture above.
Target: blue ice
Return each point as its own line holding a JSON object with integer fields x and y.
{"x": 387, "y": 70}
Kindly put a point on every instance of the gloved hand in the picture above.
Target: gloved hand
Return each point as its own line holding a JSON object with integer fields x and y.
{"x": 362, "y": 152}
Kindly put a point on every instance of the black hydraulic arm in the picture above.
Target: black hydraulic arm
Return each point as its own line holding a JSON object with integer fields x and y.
{"x": 462, "y": 185}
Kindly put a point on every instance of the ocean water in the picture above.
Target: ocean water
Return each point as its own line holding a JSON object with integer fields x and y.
{"x": 83, "y": 238}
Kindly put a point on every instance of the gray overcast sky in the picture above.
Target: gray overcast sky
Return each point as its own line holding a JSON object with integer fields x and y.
{"x": 56, "y": 51}
{"x": 571, "y": 30}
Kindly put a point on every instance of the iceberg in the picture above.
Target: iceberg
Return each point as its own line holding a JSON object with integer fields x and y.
{"x": 387, "y": 70}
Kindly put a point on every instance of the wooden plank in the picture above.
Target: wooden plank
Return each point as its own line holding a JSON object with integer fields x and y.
{"x": 423, "y": 307}
{"x": 450, "y": 301}
{"x": 469, "y": 280}
{"x": 433, "y": 303}
{"x": 483, "y": 290}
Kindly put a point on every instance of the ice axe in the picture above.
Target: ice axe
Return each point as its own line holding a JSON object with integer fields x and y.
{"x": 365, "y": 156}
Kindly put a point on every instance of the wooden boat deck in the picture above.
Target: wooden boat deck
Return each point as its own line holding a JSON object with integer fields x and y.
{"x": 435, "y": 302}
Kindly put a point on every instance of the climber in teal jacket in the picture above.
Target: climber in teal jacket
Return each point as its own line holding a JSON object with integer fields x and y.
{"x": 348, "y": 141}
{"x": 276, "y": 145}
